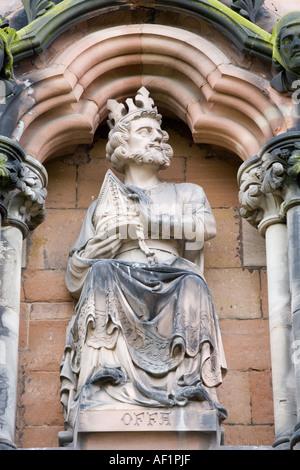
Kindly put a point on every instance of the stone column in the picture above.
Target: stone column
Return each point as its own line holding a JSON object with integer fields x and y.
{"x": 261, "y": 182}
{"x": 283, "y": 155}
{"x": 22, "y": 203}
{"x": 293, "y": 223}
{"x": 291, "y": 208}
{"x": 280, "y": 334}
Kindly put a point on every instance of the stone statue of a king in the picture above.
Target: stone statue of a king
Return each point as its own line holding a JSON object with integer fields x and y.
{"x": 145, "y": 332}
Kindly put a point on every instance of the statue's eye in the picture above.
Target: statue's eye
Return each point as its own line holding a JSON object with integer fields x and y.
{"x": 287, "y": 39}
{"x": 143, "y": 132}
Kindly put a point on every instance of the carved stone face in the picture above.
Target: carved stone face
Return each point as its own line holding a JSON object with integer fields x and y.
{"x": 290, "y": 47}
{"x": 145, "y": 134}
{"x": 147, "y": 143}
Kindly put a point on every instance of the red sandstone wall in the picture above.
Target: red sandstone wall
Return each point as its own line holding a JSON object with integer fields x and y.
{"x": 239, "y": 294}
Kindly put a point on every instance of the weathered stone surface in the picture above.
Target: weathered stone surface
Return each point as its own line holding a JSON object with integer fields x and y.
{"x": 237, "y": 396}
{"x": 224, "y": 250}
{"x": 45, "y": 286}
{"x": 62, "y": 185}
{"x": 52, "y": 240}
{"x": 248, "y": 343}
{"x": 262, "y": 397}
{"x": 52, "y": 311}
{"x": 46, "y": 410}
{"x": 217, "y": 178}
{"x": 45, "y": 332}
{"x": 252, "y": 435}
{"x": 254, "y": 248}
{"x": 148, "y": 428}
{"x": 227, "y": 284}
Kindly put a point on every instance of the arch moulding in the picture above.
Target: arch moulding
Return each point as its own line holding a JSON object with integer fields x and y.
{"x": 187, "y": 76}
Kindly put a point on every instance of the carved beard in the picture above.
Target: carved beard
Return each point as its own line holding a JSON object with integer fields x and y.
{"x": 154, "y": 156}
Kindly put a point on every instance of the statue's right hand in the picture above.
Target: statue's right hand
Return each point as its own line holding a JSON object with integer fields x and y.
{"x": 103, "y": 247}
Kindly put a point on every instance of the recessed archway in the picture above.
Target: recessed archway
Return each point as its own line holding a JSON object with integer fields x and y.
{"x": 187, "y": 76}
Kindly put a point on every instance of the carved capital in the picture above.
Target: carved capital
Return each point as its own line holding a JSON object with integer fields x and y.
{"x": 260, "y": 195}
{"x": 269, "y": 181}
{"x": 23, "y": 182}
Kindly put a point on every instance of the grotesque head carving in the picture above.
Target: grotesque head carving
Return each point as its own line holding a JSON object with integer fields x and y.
{"x": 286, "y": 51}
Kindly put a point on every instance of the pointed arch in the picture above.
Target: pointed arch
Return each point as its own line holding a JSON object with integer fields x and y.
{"x": 187, "y": 76}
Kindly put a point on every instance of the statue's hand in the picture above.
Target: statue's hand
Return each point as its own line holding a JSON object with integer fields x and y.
{"x": 103, "y": 247}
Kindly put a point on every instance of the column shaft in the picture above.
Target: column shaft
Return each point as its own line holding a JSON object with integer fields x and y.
{"x": 10, "y": 269}
{"x": 293, "y": 223}
{"x": 285, "y": 415}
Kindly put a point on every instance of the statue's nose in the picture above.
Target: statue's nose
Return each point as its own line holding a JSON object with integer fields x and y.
{"x": 157, "y": 136}
{"x": 296, "y": 41}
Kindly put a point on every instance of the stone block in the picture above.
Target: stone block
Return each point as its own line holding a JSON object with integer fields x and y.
{"x": 254, "y": 247}
{"x": 50, "y": 334}
{"x": 51, "y": 242}
{"x": 38, "y": 437}
{"x": 141, "y": 428}
{"x": 236, "y": 292}
{"x": 224, "y": 250}
{"x": 99, "y": 148}
{"x": 45, "y": 286}
{"x": 234, "y": 394}
{"x": 52, "y": 311}
{"x": 183, "y": 144}
{"x": 40, "y": 400}
{"x": 262, "y": 397}
{"x": 264, "y": 293}
{"x": 249, "y": 435}
{"x": 218, "y": 179}
{"x": 24, "y": 324}
{"x": 246, "y": 344}
{"x": 61, "y": 185}
{"x": 175, "y": 172}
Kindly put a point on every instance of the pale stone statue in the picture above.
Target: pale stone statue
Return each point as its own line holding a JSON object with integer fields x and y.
{"x": 145, "y": 331}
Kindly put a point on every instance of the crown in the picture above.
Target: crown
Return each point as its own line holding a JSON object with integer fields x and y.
{"x": 142, "y": 104}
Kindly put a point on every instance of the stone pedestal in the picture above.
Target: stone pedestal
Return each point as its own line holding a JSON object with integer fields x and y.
{"x": 137, "y": 428}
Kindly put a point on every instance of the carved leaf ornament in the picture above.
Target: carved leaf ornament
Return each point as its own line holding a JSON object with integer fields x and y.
{"x": 247, "y": 8}
{"x": 294, "y": 162}
{"x": 35, "y": 8}
{"x": 263, "y": 186}
{"x": 9, "y": 172}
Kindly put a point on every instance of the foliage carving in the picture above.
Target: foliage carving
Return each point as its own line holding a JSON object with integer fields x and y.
{"x": 247, "y": 8}
{"x": 35, "y": 8}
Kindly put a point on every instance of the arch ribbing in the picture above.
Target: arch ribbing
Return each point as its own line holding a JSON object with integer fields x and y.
{"x": 186, "y": 75}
